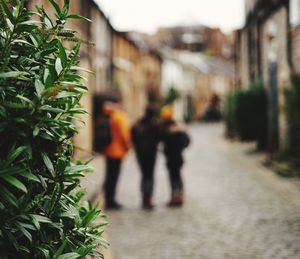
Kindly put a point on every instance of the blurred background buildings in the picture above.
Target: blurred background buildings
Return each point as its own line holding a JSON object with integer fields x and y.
{"x": 193, "y": 61}
{"x": 188, "y": 64}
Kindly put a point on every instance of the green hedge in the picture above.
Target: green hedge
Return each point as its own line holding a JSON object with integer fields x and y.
{"x": 246, "y": 114}
{"x": 292, "y": 109}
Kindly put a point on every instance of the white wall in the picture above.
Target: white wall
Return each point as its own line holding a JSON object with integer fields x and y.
{"x": 295, "y": 12}
{"x": 173, "y": 76}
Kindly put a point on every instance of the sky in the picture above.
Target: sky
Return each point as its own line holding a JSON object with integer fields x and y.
{"x": 148, "y": 15}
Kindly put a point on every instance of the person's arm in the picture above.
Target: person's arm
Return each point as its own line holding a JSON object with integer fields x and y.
{"x": 187, "y": 139}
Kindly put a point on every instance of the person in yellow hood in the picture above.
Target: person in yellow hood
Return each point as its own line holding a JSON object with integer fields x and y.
{"x": 175, "y": 140}
{"x": 115, "y": 151}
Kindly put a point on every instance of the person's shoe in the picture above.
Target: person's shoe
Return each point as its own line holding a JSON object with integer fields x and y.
{"x": 113, "y": 206}
{"x": 176, "y": 201}
{"x": 148, "y": 204}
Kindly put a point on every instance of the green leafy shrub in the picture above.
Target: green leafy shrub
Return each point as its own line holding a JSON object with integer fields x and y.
{"x": 171, "y": 96}
{"x": 230, "y": 113}
{"x": 41, "y": 212}
{"x": 292, "y": 108}
{"x": 247, "y": 114}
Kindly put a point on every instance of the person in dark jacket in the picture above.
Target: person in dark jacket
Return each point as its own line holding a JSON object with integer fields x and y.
{"x": 145, "y": 138}
{"x": 175, "y": 140}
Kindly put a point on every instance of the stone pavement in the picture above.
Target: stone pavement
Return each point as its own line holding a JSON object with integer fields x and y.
{"x": 235, "y": 208}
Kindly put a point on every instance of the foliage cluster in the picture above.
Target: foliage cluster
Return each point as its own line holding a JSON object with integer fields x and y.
{"x": 292, "y": 110}
{"x": 172, "y": 95}
{"x": 41, "y": 212}
{"x": 246, "y": 113}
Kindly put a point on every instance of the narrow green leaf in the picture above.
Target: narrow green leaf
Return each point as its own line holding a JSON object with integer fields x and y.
{"x": 31, "y": 22}
{"x": 50, "y": 109}
{"x": 82, "y": 69}
{"x": 56, "y": 6}
{"x": 39, "y": 87}
{"x": 79, "y": 168}
{"x": 24, "y": 232}
{"x": 65, "y": 8}
{"x": 8, "y": 197}
{"x": 28, "y": 226}
{"x": 34, "y": 41}
{"x": 90, "y": 217}
{"x": 13, "y": 74}
{"x": 48, "y": 23}
{"x": 30, "y": 176}
{"x": 47, "y": 162}
{"x": 15, "y": 182}
{"x": 23, "y": 42}
{"x": 15, "y": 154}
{"x": 71, "y": 83}
{"x": 44, "y": 251}
{"x": 40, "y": 219}
{"x": 62, "y": 54}
{"x": 36, "y": 131}
{"x": 69, "y": 256}
{"x": 60, "y": 249}
{"x": 78, "y": 17}
{"x": 10, "y": 25}
{"x": 7, "y": 11}
{"x": 58, "y": 66}
{"x": 52, "y": 43}
{"x": 49, "y": 76}
{"x": 25, "y": 28}
{"x": 65, "y": 94}
{"x": 11, "y": 171}
{"x": 25, "y": 99}
{"x": 46, "y": 75}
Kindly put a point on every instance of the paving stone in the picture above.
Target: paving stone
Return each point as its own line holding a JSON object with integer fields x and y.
{"x": 235, "y": 208}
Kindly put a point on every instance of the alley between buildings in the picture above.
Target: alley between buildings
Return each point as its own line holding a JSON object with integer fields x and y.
{"x": 235, "y": 207}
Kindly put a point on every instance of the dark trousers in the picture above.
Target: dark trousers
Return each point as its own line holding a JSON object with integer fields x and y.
{"x": 147, "y": 163}
{"x": 174, "y": 169}
{"x": 113, "y": 167}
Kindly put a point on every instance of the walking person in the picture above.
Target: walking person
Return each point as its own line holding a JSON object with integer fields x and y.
{"x": 116, "y": 150}
{"x": 145, "y": 138}
{"x": 175, "y": 140}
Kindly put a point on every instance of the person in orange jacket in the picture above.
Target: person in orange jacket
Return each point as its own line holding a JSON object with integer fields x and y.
{"x": 115, "y": 151}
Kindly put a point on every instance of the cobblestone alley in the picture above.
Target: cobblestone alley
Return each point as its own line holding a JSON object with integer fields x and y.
{"x": 235, "y": 208}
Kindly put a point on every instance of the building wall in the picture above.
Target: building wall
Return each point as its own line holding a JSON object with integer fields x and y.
{"x": 275, "y": 50}
{"x": 249, "y": 5}
{"x": 243, "y": 63}
{"x": 277, "y": 25}
{"x": 129, "y": 76}
{"x": 151, "y": 65}
{"x": 101, "y": 35}
{"x": 296, "y": 48}
{"x": 202, "y": 93}
{"x": 294, "y": 12}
